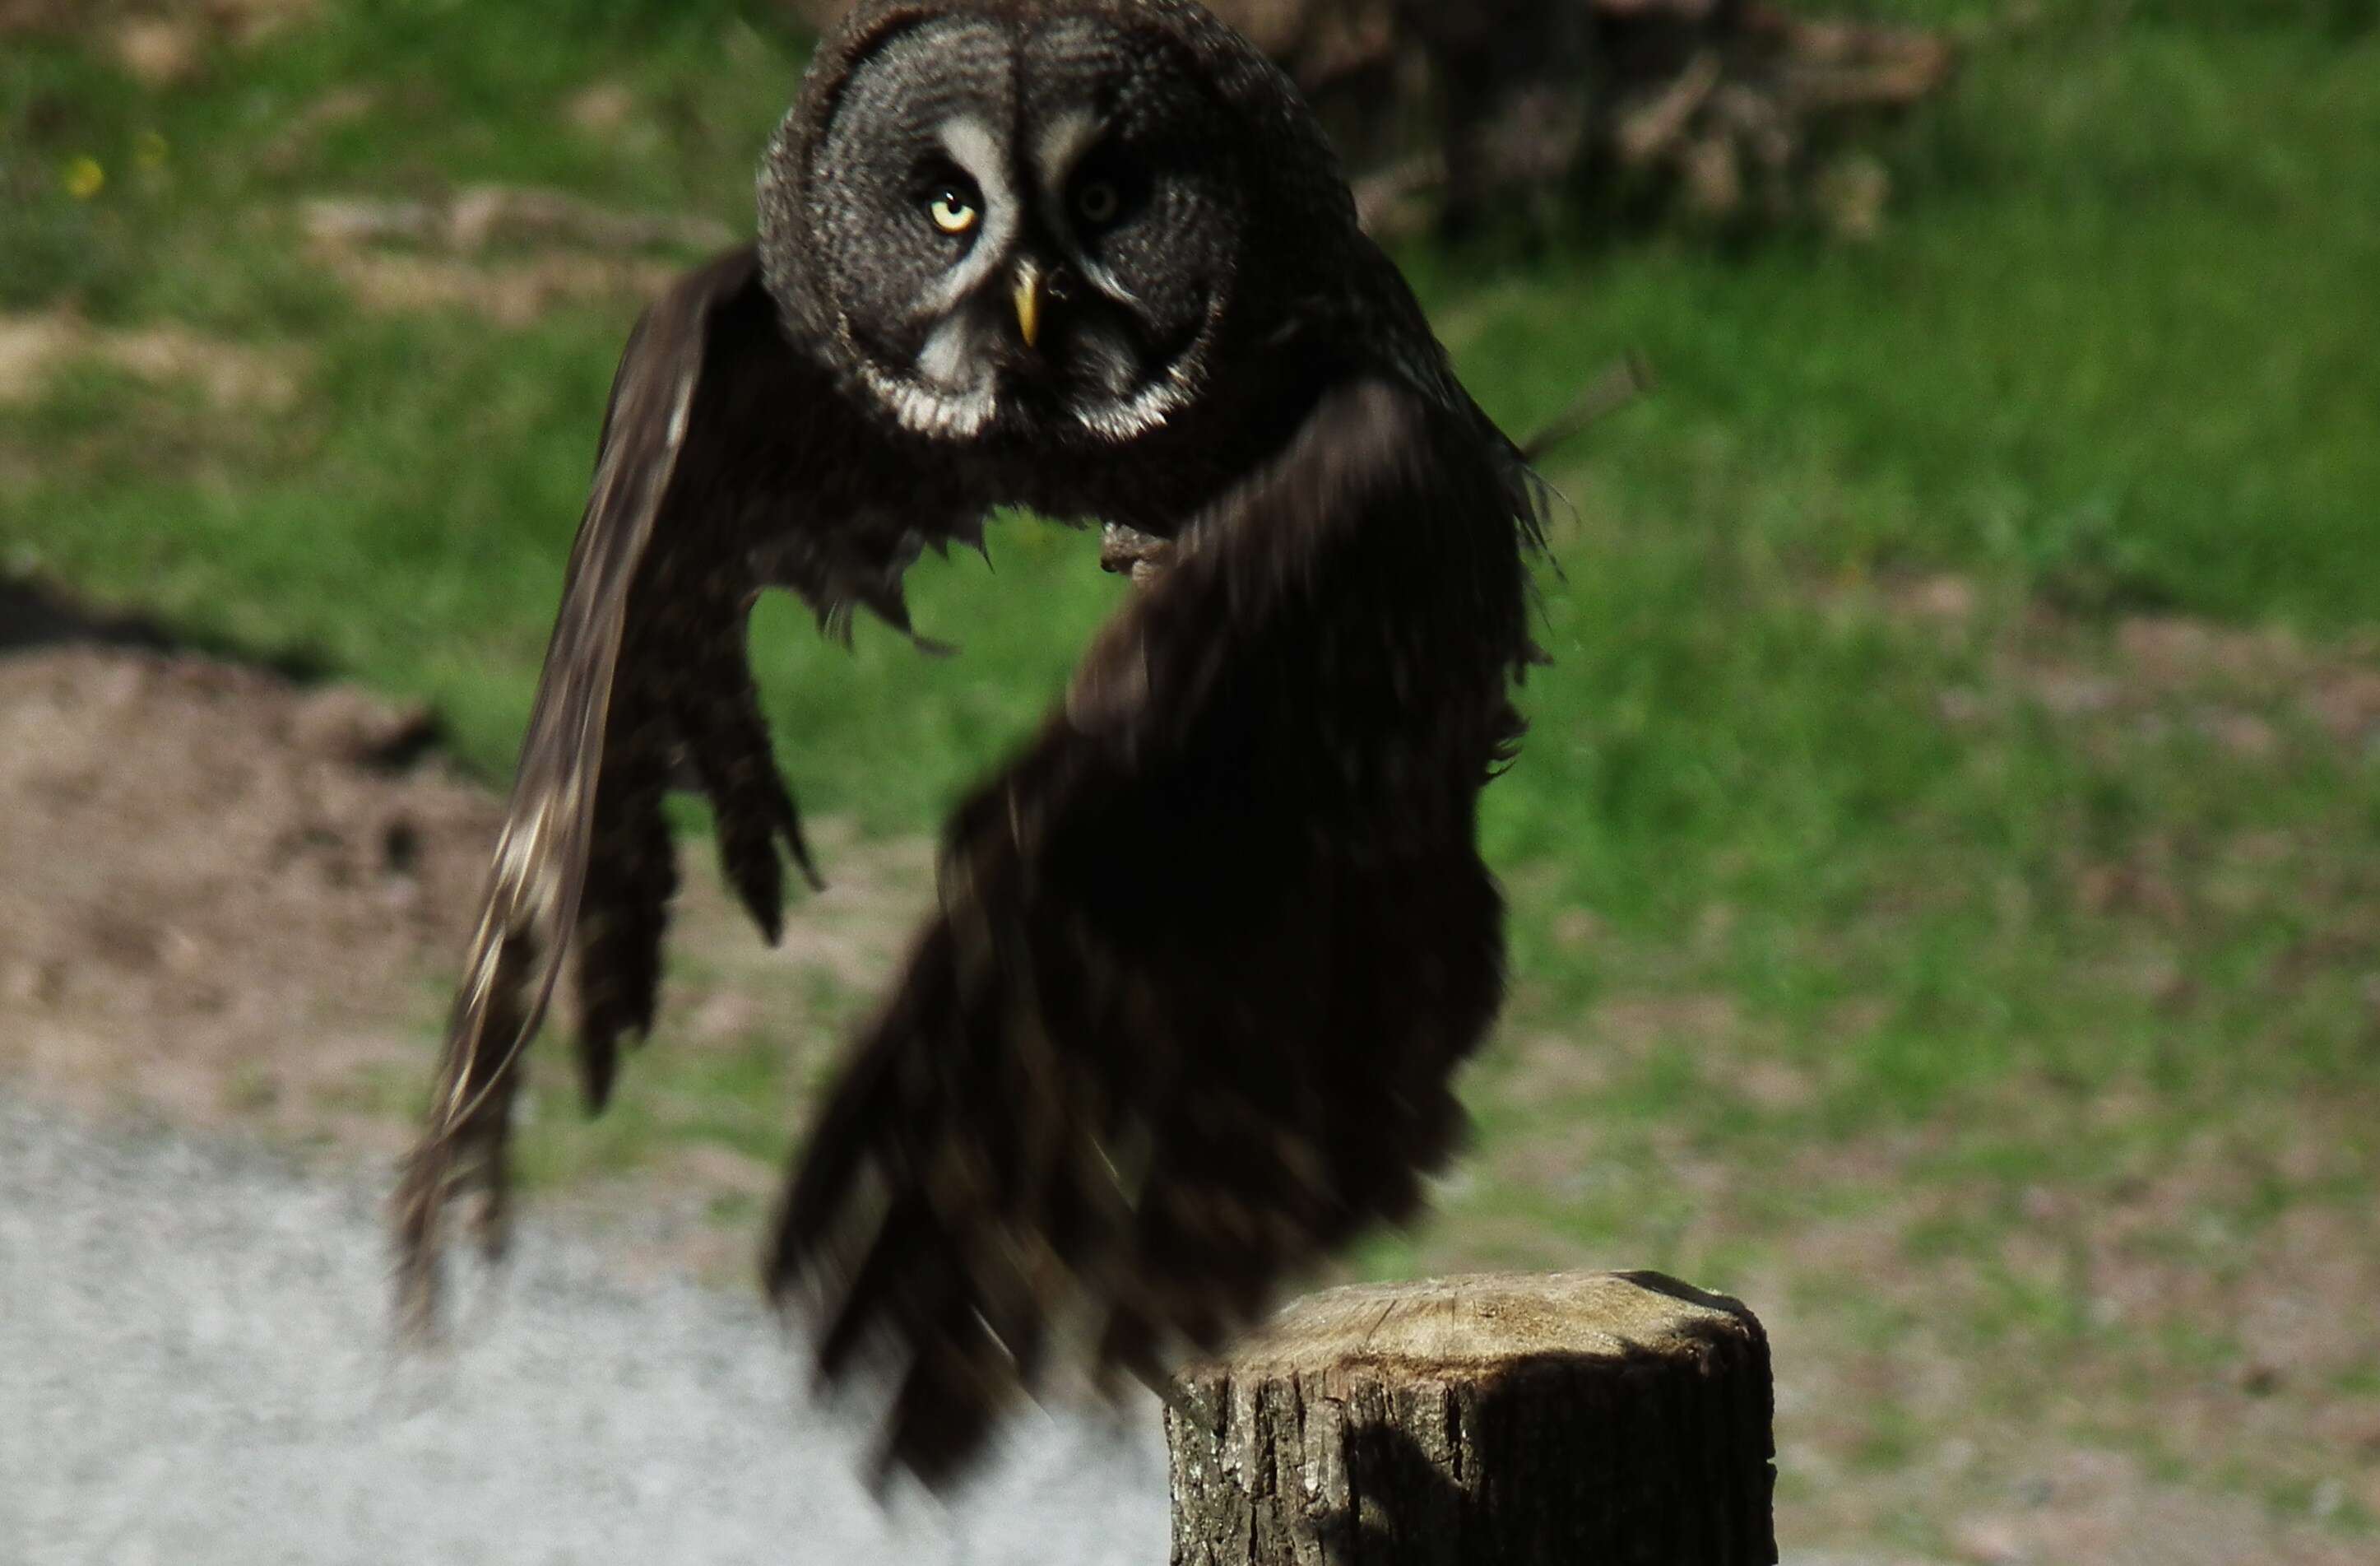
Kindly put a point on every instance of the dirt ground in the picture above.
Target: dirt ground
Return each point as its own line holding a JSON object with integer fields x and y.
{"x": 234, "y": 897}
{"x": 230, "y": 898}
{"x": 199, "y": 862}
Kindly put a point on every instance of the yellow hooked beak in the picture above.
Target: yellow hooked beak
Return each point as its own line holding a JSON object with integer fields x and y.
{"x": 1029, "y": 303}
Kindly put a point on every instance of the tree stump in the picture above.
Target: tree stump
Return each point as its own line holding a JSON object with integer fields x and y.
{"x": 1496, "y": 1421}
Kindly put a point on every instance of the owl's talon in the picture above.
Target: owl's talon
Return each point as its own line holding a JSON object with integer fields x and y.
{"x": 1129, "y": 551}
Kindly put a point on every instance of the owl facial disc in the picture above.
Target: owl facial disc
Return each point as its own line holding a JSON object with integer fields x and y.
{"x": 1020, "y": 229}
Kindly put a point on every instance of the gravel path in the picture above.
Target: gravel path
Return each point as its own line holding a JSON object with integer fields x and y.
{"x": 194, "y": 1369}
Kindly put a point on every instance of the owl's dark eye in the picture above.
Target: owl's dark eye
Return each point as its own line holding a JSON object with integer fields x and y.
{"x": 953, "y": 210}
{"x": 1097, "y": 201}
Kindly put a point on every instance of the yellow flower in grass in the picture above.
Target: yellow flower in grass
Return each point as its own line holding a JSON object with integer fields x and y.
{"x": 85, "y": 178}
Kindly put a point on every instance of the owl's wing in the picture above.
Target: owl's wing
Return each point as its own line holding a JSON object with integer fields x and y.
{"x": 646, "y": 667}
{"x": 1208, "y": 953}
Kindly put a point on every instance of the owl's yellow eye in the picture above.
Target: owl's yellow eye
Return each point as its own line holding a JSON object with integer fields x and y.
{"x": 1097, "y": 201}
{"x": 952, "y": 211}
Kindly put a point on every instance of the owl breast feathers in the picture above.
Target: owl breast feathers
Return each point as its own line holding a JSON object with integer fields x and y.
{"x": 1209, "y": 946}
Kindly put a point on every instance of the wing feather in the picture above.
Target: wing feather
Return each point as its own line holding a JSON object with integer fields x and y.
{"x": 1209, "y": 951}
{"x": 540, "y": 875}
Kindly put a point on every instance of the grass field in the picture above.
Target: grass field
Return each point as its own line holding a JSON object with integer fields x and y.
{"x": 1946, "y": 864}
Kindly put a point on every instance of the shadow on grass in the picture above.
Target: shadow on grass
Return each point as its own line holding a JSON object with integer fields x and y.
{"x": 37, "y": 616}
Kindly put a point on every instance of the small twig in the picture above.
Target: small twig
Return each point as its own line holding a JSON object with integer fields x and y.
{"x": 1622, "y": 382}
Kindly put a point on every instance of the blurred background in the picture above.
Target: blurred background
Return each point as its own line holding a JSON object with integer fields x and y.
{"x": 1945, "y": 867}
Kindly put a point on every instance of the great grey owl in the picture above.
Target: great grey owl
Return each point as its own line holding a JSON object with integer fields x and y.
{"x": 1211, "y": 945}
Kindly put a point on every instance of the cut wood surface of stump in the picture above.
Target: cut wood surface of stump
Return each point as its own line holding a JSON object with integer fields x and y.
{"x": 1575, "y": 1417}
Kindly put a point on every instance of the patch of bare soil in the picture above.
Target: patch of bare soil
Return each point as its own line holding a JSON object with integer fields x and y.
{"x": 158, "y": 43}
{"x": 2098, "y": 1507}
{"x": 2230, "y": 684}
{"x": 483, "y": 217}
{"x": 508, "y": 294}
{"x": 2189, "y": 1408}
{"x": 225, "y": 895}
{"x": 242, "y": 19}
{"x": 2246, "y": 688}
{"x": 222, "y": 891}
{"x": 2135, "y": 1370}
{"x": 35, "y": 347}
{"x": 505, "y": 252}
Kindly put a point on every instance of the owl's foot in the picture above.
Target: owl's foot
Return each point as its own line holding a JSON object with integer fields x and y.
{"x": 1142, "y": 556}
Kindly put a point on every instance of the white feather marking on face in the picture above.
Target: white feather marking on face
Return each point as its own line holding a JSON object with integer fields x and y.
{"x": 974, "y": 147}
{"x": 948, "y": 353}
{"x": 929, "y": 412}
{"x": 1122, "y": 422}
{"x": 1060, "y": 148}
{"x": 1153, "y": 404}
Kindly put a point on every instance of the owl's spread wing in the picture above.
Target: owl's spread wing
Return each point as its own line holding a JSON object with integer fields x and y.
{"x": 646, "y": 666}
{"x": 1209, "y": 951}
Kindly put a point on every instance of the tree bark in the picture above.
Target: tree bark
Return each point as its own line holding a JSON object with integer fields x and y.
{"x": 1498, "y": 1420}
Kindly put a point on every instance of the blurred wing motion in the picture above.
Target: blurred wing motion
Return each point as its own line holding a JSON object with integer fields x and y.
{"x": 646, "y": 666}
{"x": 1208, "y": 951}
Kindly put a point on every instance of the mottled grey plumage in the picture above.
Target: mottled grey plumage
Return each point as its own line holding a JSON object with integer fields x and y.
{"x": 1210, "y": 946}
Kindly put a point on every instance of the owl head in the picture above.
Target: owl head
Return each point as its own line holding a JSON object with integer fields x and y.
{"x": 1037, "y": 218}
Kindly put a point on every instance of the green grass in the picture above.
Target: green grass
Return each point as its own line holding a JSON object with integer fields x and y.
{"x": 1831, "y": 916}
